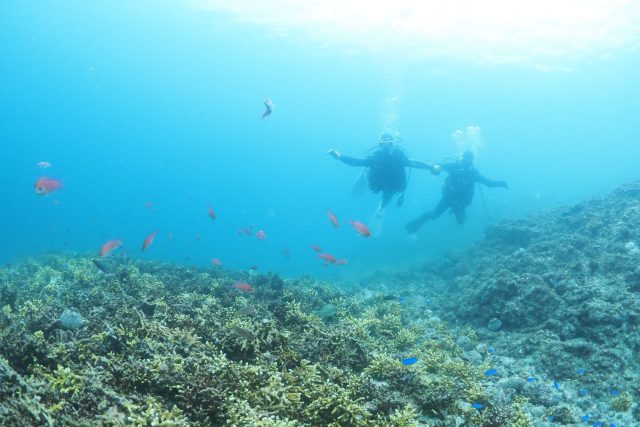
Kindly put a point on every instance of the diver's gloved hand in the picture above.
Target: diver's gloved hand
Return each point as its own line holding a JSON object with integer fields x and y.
{"x": 436, "y": 169}
{"x": 504, "y": 184}
{"x": 334, "y": 153}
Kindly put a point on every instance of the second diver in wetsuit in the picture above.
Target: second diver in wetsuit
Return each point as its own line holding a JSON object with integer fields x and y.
{"x": 457, "y": 191}
{"x": 384, "y": 169}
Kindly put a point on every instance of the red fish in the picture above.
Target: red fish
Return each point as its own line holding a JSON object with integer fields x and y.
{"x": 328, "y": 258}
{"x": 243, "y": 287}
{"x": 149, "y": 240}
{"x": 212, "y": 213}
{"x": 43, "y": 165}
{"x": 110, "y": 246}
{"x": 362, "y": 229}
{"x": 316, "y": 248}
{"x": 341, "y": 261}
{"x": 333, "y": 218}
{"x": 46, "y": 186}
{"x": 269, "y": 105}
{"x": 216, "y": 262}
{"x": 261, "y": 235}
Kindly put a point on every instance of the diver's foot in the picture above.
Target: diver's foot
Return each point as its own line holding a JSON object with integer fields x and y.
{"x": 413, "y": 226}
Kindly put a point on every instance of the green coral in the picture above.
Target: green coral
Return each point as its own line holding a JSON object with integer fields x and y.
{"x": 167, "y": 345}
{"x": 622, "y": 402}
{"x": 64, "y": 381}
{"x": 561, "y": 414}
{"x": 20, "y": 402}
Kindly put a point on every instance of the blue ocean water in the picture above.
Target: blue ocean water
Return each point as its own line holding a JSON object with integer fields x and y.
{"x": 137, "y": 102}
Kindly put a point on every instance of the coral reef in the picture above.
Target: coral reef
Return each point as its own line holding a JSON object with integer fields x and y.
{"x": 159, "y": 344}
{"x": 537, "y": 323}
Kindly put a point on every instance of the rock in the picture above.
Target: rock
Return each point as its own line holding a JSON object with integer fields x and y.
{"x": 71, "y": 319}
{"x": 465, "y": 342}
{"x": 494, "y": 324}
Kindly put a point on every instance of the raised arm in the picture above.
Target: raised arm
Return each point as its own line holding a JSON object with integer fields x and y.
{"x": 412, "y": 163}
{"x": 351, "y": 161}
{"x": 419, "y": 164}
{"x": 490, "y": 183}
{"x": 439, "y": 167}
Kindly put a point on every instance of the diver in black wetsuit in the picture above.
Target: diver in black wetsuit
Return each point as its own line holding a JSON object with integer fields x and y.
{"x": 384, "y": 169}
{"x": 457, "y": 191}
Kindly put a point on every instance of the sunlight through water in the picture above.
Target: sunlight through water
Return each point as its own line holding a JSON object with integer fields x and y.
{"x": 547, "y": 34}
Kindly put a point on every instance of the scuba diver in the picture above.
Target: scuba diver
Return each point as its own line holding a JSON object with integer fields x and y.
{"x": 384, "y": 168}
{"x": 457, "y": 191}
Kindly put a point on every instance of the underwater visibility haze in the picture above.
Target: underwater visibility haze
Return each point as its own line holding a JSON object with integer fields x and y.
{"x": 172, "y": 211}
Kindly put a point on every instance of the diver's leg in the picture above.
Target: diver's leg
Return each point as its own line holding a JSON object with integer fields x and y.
{"x": 460, "y": 214}
{"x": 415, "y": 225}
{"x": 386, "y": 198}
{"x": 442, "y": 207}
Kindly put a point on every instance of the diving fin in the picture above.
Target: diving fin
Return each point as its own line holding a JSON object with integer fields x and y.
{"x": 358, "y": 186}
{"x": 377, "y": 223}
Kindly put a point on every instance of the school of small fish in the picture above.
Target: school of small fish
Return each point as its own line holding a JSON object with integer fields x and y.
{"x": 45, "y": 186}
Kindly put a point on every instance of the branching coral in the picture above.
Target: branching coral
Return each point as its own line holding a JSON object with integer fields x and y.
{"x": 169, "y": 345}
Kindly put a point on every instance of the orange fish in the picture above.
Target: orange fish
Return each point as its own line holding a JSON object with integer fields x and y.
{"x": 149, "y": 240}
{"x": 46, "y": 186}
{"x": 316, "y": 248}
{"x": 269, "y": 105}
{"x": 328, "y": 258}
{"x": 333, "y": 218}
{"x": 216, "y": 262}
{"x": 243, "y": 287}
{"x": 362, "y": 229}
{"x": 261, "y": 235}
{"x": 212, "y": 213}
{"x": 110, "y": 246}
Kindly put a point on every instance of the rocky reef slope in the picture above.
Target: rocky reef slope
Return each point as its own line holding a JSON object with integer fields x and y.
{"x": 560, "y": 292}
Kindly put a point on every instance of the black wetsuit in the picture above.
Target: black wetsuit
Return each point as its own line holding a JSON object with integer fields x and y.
{"x": 385, "y": 170}
{"x": 457, "y": 193}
